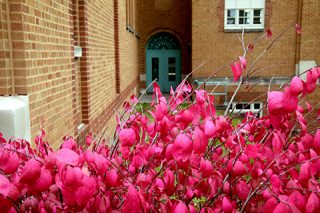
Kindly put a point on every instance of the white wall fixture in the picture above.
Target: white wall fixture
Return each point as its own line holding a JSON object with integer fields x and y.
{"x": 77, "y": 51}
{"x": 143, "y": 77}
{"x": 15, "y": 117}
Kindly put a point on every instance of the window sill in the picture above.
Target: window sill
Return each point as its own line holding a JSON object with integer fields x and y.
{"x": 247, "y": 30}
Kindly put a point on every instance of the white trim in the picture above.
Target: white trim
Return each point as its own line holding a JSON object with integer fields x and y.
{"x": 248, "y": 5}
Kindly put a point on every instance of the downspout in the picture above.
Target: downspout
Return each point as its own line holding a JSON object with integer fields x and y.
{"x": 298, "y": 41}
{"x": 10, "y": 50}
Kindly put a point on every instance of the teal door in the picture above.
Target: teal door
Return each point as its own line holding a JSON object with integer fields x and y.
{"x": 163, "y": 62}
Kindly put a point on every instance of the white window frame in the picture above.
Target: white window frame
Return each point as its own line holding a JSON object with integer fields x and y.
{"x": 244, "y": 5}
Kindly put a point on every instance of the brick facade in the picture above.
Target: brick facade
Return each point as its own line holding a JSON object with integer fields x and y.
{"x": 38, "y": 37}
{"x": 212, "y": 45}
{"x": 37, "y": 40}
{"x": 310, "y": 19}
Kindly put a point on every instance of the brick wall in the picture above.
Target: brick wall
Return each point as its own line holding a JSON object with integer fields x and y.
{"x": 212, "y": 45}
{"x": 65, "y": 91}
{"x": 42, "y": 62}
{"x": 128, "y": 49}
{"x": 310, "y": 31}
{"x": 98, "y": 62}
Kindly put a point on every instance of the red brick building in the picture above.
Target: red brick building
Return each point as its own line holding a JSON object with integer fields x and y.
{"x": 76, "y": 61}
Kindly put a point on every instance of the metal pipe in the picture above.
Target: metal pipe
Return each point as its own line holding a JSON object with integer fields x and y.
{"x": 10, "y": 49}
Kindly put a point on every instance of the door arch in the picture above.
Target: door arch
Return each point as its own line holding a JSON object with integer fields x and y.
{"x": 163, "y": 61}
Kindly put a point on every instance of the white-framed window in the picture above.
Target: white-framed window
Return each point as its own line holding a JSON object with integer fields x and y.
{"x": 247, "y": 14}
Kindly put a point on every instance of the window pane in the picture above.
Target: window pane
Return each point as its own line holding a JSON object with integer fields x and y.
{"x": 257, "y": 20}
{"x": 155, "y": 69}
{"x": 244, "y": 16}
{"x": 231, "y": 16}
{"x": 247, "y": 13}
{"x": 257, "y": 12}
{"x": 241, "y": 20}
{"x": 172, "y": 68}
{"x": 231, "y": 21}
{"x": 257, "y": 17}
{"x": 231, "y": 13}
{"x": 256, "y": 106}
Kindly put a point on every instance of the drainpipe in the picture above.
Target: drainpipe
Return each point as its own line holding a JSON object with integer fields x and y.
{"x": 11, "y": 50}
{"x": 298, "y": 41}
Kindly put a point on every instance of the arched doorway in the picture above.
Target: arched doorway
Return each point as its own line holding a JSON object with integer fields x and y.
{"x": 163, "y": 61}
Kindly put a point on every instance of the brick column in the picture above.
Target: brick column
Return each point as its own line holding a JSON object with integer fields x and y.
{"x": 116, "y": 45}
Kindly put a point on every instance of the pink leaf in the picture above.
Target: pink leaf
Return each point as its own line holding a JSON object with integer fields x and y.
{"x": 112, "y": 178}
{"x": 226, "y": 205}
{"x": 243, "y": 62}
{"x": 296, "y": 86}
{"x": 313, "y": 204}
{"x": 275, "y": 101}
{"x": 206, "y": 168}
{"x": 282, "y": 208}
{"x": 304, "y": 174}
{"x": 270, "y": 205}
{"x": 239, "y": 168}
{"x": 181, "y": 208}
{"x": 250, "y": 47}
{"x": 298, "y": 199}
{"x": 209, "y": 129}
{"x": 298, "y": 29}
{"x": 201, "y": 96}
{"x": 67, "y": 156}
{"x": 43, "y": 182}
{"x": 7, "y": 189}
{"x": 72, "y": 178}
{"x": 236, "y": 70}
{"x": 89, "y": 139}
{"x": 9, "y": 161}
{"x": 127, "y": 137}
{"x": 132, "y": 202}
{"x": 243, "y": 190}
{"x": 200, "y": 141}
{"x": 268, "y": 33}
{"x": 69, "y": 143}
{"x": 182, "y": 148}
{"x": 31, "y": 171}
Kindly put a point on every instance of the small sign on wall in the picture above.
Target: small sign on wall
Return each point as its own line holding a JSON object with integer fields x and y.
{"x": 77, "y": 51}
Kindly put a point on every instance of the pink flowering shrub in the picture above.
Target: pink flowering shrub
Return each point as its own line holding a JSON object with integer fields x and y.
{"x": 177, "y": 159}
